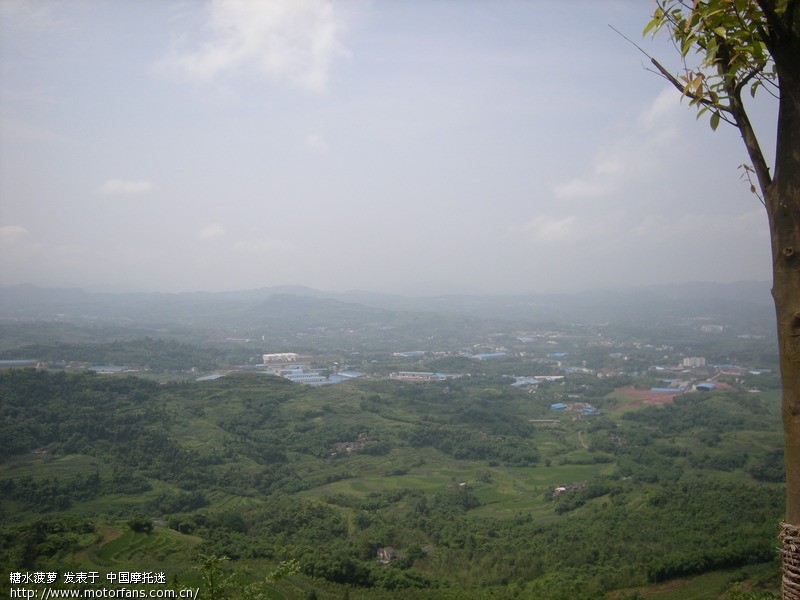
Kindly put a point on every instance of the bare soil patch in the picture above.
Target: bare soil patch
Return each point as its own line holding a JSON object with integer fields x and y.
{"x": 640, "y": 397}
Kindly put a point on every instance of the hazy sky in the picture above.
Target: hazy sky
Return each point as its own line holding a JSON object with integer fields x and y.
{"x": 385, "y": 145}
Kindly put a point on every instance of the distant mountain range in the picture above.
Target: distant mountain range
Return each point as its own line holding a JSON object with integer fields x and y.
{"x": 744, "y": 300}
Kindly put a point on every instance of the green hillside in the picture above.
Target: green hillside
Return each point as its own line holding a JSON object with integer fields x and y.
{"x": 477, "y": 489}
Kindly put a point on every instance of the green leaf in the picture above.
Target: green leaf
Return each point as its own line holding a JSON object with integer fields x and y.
{"x": 711, "y": 51}
{"x": 714, "y": 121}
{"x": 687, "y": 44}
{"x": 654, "y": 23}
{"x": 721, "y": 32}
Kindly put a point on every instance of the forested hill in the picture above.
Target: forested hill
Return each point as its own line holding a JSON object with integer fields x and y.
{"x": 380, "y": 489}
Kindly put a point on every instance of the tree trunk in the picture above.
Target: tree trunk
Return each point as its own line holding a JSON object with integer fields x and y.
{"x": 783, "y": 207}
{"x": 786, "y": 292}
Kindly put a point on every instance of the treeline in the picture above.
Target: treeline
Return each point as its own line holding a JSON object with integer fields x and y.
{"x": 50, "y": 494}
{"x": 25, "y": 546}
{"x": 737, "y": 552}
{"x": 152, "y": 354}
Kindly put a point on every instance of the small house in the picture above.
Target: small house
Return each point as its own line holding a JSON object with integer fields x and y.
{"x": 387, "y": 555}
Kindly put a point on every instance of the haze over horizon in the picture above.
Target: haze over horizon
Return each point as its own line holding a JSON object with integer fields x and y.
{"x": 504, "y": 147}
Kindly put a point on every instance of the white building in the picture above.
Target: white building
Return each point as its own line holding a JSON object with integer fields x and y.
{"x": 308, "y": 378}
{"x": 694, "y": 362}
{"x": 280, "y": 357}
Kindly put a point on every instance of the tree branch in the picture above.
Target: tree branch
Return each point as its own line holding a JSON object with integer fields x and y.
{"x": 721, "y": 110}
{"x": 734, "y": 113}
{"x": 747, "y": 77}
{"x": 750, "y": 140}
{"x": 678, "y": 85}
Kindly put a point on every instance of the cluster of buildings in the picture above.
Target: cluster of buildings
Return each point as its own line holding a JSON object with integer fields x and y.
{"x": 284, "y": 364}
{"x": 583, "y": 408}
{"x": 425, "y": 376}
{"x": 678, "y": 377}
{"x": 698, "y": 369}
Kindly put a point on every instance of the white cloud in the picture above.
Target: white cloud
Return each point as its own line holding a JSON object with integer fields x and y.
{"x": 116, "y": 187}
{"x": 634, "y": 156}
{"x": 547, "y": 230}
{"x": 582, "y": 188}
{"x": 661, "y": 111}
{"x": 286, "y": 40}
{"x": 212, "y": 232}
{"x": 13, "y": 234}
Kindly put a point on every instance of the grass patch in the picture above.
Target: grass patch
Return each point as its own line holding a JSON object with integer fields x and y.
{"x": 157, "y": 550}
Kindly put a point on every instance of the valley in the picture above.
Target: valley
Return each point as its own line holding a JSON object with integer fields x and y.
{"x": 499, "y": 483}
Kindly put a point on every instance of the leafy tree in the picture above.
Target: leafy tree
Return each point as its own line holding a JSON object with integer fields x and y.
{"x": 729, "y": 48}
{"x": 217, "y": 582}
{"x": 140, "y": 524}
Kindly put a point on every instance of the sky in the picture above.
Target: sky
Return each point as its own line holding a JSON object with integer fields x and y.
{"x": 397, "y": 146}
